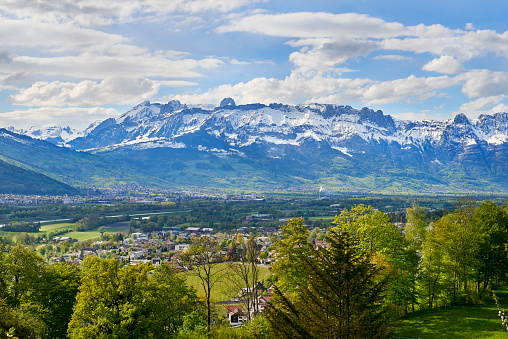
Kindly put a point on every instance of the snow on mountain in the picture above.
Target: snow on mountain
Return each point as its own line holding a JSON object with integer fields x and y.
{"x": 244, "y": 125}
{"x": 230, "y": 128}
{"x": 54, "y": 134}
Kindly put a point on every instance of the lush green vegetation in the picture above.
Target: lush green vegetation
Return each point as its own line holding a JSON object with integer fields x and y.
{"x": 16, "y": 180}
{"x": 468, "y": 321}
{"x": 432, "y": 278}
{"x": 224, "y": 289}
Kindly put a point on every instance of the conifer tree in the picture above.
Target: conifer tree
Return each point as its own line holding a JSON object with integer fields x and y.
{"x": 342, "y": 296}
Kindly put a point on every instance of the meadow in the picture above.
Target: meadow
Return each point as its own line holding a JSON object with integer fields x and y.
{"x": 80, "y": 236}
{"x": 224, "y": 289}
{"x": 472, "y": 321}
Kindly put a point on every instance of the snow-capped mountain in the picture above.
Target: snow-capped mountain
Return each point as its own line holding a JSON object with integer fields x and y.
{"x": 230, "y": 129}
{"x": 305, "y": 143}
{"x": 54, "y": 134}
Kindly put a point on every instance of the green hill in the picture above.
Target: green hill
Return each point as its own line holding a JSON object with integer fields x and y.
{"x": 17, "y": 180}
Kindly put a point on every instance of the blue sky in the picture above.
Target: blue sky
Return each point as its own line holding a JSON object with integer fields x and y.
{"x": 71, "y": 62}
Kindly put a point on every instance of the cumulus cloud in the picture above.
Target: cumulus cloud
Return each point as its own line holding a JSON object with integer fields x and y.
{"x": 332, "y": 53}
{"x": 117, "y": 90}
{"x": 74, "y": 117}
{"x": 482, "y": 103}
{"x": 484, "y": 83}
{"x": 402, "y": 89}
{"x": 313, "y": 25}
{"x": 445, "y": 64}
{"x": 292, "y": 89}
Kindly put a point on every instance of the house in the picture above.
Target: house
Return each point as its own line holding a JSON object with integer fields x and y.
{"x": 236, "y": 316}
{"x": 156, "y": 262}
{"x": 181, "y": 247}
{"x": 192, "y": 230}
{"x": 263, "y": 301}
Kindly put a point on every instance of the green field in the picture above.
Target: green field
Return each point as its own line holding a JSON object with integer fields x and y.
{"x": 323, "y": 218}
{"x": 224, "y": 289}
{"x": 478, "y": 321}
{"x": 80, "y": 236}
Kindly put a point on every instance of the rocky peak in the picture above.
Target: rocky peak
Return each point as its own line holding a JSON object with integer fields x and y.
{"x": 227, "y": 102}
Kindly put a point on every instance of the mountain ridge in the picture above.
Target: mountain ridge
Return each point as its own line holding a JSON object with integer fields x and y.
{"x": 303, "y": 144}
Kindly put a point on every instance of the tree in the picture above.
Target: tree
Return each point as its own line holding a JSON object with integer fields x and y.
{"x": 115, "y": 302}
{"x": 385, "y": 243}
{"x": 244, "y": 267}
{"x": 342, "y": 296}
{"x": 56, "y": 293}
{"x": 492, "y": 259}
{"x": 289, "y": 250}
{"x": 203, "y": 256}
{"x": 39, "y": 297}
{"x": 416, "y": 226}
{"x": 102, "y": 229}
{"x": 455, "y": 238}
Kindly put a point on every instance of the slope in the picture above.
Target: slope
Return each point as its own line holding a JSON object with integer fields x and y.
{"x": 16, "y": 180}
{"x": 63, "y": 164}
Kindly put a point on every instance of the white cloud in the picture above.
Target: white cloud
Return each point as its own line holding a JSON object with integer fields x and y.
{"x": 484, "y": 83}
{"x": 315, "y": 25}
{"x": 118, "y": 90}
{"x": 195, "y": 6}
{"x": 50, "y": 116}
{"x": 391, "y": 57}
{"x": 437, "y": 39}
{"x": 331, "y": 53}
{"x": 470, "y": 26}
{"x": 445, "y": 64}
{"x": 403, "y": 89}
{"x": 482, "y": 103}
{"x": 463, "y": 45}
{"x": 93, "y": 66}
{"x": 292, "y": 89}
{"x": 299, "y": 87}
{"x": 64, "y": 36}
{"x": 93, "y": 12}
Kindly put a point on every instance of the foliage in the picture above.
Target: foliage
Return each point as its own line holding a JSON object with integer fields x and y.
{"x": 342, "y": 296}
{"x": 289, "y": 251}
{"x": 246, "y": 273}
{"x": 203, "y": 256}
{"x": 38, "y": 297}
{"x": 21, "y": 226}
{"x": 115, "y": 302}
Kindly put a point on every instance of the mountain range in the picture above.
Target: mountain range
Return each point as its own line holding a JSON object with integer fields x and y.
{"x": 277, "y": 146}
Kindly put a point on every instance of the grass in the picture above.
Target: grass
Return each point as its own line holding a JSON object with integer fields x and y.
{"x": 80, "y": 236}
{"x": 56, "y": 226}
{"x": 224, "y": 289}
{"x": 477, "y": 321}
{"x": 323, "y": 218}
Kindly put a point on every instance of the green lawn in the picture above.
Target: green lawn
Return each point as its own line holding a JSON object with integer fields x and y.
{"x": 56, "y": 226}
{"x": 225, "y": 288}
{"x": 322, "y": 218}
{"x": 80, "y": 236}
{"x": 478, "y": 321}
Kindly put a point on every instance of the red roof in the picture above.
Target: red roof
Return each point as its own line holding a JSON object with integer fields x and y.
{"x": 233, "y": 309}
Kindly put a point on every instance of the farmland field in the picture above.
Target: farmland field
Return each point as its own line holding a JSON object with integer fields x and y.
{"x": 80, "y": 236}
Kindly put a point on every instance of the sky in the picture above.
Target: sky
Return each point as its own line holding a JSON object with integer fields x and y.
{"x": 72, "y": 62}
